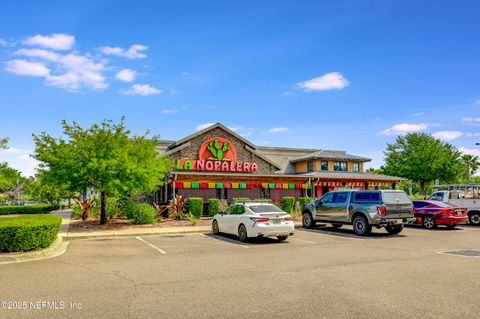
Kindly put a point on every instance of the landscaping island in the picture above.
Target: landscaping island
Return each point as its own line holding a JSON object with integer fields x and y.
{"x": 28, "y": 232}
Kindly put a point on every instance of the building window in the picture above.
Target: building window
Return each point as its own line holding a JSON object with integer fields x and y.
{"x": 324, "y": 166}
{"x": 310, "y": 166}
{"x": 340, "y": 166}
{"x": 356, "y": 167}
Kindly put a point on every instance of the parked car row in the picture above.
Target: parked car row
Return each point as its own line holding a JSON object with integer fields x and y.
{"x": 363, "y": 209}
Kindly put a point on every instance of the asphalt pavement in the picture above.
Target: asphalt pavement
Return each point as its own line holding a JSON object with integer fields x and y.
{"x": 321, "y": 273}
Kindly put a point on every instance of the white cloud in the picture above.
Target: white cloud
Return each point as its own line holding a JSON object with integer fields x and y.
{"x": 170, "y": 111}
{"x": 234, "y": 128}
{"x": 203, "y": 126}
{"x": 126, "y": 75}
{"x": 39, "y": 53}
{"x": 477, "y": 102}
{"x": 174, "y": 110}
{"x": 472, "y": 134}
{"x": 404, "y": 128}
{"x": 3, "y": 42}
{"x": 471, "y": 151}
{"x": 288, "y": 93}
{"x": 142, "y": 89}
{"x": 72, "y": 71}
{"x": 329, "y": 81}
{"x": 277, "y": 130}
{"x": 448, "y": 135}
{"x": 77, "y": 71}
{"x": 417, "y": 114}
{"x": 133, "y": 52}
{"x": 24, "y": 67}
{"x": 55, "y": 41}
{"x": 246, "y": 134}
{"x": 471, "y": 119}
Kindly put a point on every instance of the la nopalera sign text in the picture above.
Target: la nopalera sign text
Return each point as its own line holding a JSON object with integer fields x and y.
{"x": 217, "y": 155}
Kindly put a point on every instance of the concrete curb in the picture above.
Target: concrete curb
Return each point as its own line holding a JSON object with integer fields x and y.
{"x": 180, "y": 231}
{"x": 58, "y": 248}
{"x": 159, "y": 232}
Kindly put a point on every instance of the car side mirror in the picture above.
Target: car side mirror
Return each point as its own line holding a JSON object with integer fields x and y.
{"x": 222, "y": 213}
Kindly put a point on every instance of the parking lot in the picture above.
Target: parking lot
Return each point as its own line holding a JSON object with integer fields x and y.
{"x": 317, "y": 273}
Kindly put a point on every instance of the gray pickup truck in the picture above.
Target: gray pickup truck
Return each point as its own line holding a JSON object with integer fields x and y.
{"x": 361, "y": 209}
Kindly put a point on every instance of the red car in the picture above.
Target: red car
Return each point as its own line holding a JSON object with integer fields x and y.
{"x": 432, "y": 213}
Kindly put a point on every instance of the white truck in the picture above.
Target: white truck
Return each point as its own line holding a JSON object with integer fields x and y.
{"x": 461, "y": 195}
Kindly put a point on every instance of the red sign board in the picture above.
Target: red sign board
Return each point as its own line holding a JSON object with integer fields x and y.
{"x": 218, "y": 155}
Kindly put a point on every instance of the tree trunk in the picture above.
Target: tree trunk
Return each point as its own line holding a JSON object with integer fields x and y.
{"x": 103, "y": 208}
{"x": 69, "y": 203}
{"x": 422, "y": 188}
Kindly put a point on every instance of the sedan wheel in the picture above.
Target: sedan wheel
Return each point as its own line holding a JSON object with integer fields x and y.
{"x": 242, "y": 233}
{"x": 282, "y": 238}
{"x": 215, "y": 229}
{"x": 475, "y": 219}
{"x": 429, "y": 222}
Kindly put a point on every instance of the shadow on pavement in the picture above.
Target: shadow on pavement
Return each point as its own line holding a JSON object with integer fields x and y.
{"x": 232, "y": 239}
{"x": 348, "y": 233}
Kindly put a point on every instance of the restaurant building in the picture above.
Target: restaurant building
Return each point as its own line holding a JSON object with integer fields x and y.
{"x": 219, "y": 163}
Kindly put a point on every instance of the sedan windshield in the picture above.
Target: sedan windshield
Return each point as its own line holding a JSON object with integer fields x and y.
{"x": 265, "y": 209}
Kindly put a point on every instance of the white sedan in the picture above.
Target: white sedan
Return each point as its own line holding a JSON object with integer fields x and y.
{"x": 254, "y": 219}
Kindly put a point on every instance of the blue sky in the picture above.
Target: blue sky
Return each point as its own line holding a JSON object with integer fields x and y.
{"x": 347, "y": 75}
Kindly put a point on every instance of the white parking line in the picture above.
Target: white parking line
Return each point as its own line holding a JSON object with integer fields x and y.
{"x": 151, "y": 245}
{"x": 224, "y": 240}
{"x": 305, "y": 241}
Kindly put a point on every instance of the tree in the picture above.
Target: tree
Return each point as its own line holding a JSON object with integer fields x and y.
{"x": 3, "y": 143}
{"x": 376, "y": 171}
{"x": 422, "y": 158}
{"x": 472, "y": 164}
{"x": 40, "y": 188}
{"x": 103, "y": 157}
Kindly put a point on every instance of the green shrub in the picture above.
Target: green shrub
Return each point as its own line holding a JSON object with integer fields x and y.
{"x": 115, "y": 208}
{"x": 216, "y": 206}
{"x": 213, "y": 206}
{"x": 288, "y": 203}
{"x": 304, "y": 201}
{"x": 23, "y": 233}
{"x": 192, "y": 219}
{"x": 240, "y": 199}
{"x": 141, "y": 213}
{"x": 195, "y": 206}
{"x": 416, "y": 197}
{"x": 29, "y": 209}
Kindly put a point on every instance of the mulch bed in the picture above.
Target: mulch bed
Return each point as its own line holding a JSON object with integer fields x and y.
{"x": 119, "y": 223}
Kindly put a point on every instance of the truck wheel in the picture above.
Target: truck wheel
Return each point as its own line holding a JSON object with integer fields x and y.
{"x": 474, "y": 218}
{"x": 429, "y": 222}
{"x": 307, "y": 220}
{"x": 361, "y": 227}
{"x": 393, "y": 230}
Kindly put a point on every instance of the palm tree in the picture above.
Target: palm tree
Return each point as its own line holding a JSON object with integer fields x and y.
{"x": 472, "y": 163}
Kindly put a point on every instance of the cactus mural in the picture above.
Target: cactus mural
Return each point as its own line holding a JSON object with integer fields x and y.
{"x": 218, "y": 150}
